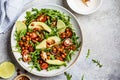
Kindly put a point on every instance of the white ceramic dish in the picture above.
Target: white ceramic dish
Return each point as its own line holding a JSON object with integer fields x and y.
{"x": 79, "y": 7}
{"x": 45, "y": 73}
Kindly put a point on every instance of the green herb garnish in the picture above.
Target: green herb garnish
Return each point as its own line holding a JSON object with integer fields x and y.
{"x": 97, "y": 63}
{"x": 88, "y": 53}
{"x": 82, "y": 77}
{"x": 51, "y": 67}
{"x": 68, "y": 76}
{"x": 19, "y": 59}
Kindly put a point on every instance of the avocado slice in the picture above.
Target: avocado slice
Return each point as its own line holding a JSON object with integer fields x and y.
{"x": 42, "y": 45}
{"x": 55, "y": 38}
{"x": 20, "y": 26}
{"x": 40, "y": 25}
{"x": 55, "y": 62}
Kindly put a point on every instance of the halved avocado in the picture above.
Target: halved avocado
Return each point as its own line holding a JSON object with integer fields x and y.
{"x": 39, "y": 25}
{"x": 42, "y": 45}
{"x": 20, "y": 26}
{"x": 55, "y": 62}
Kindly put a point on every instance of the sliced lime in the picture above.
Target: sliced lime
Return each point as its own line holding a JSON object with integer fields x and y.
{"x": 61, "y": 26}
{"x": 20, "y": 26}
{"x": 7, "y": 69}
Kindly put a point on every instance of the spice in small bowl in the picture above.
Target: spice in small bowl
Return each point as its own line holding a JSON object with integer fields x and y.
{"x": 85, "y": 2}
{"x": 22, "y": 77}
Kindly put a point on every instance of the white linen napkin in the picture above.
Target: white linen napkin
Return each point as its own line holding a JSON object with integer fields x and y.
{"x": 9, "y": 11}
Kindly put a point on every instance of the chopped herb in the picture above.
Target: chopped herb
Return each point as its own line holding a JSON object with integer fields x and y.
{"x": 69, "y": 55}
{"x": 51, "y": 67}
{"x": 88, "y": 53}
{"x": 52, "y": 57}
{"x": 68, "y": 76}
{"x": 97, "y": 63}
{"x": 19, "y": 59}
{"x": 82, "y": 77}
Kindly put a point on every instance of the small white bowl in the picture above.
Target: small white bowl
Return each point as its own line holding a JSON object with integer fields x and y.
{"x": 79, "y": 7}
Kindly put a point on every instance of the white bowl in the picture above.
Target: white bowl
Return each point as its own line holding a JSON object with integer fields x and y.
{"x": 79, "y": 7}
{"x": 55, "y": 72}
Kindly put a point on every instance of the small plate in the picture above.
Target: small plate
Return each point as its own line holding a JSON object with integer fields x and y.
{"x": 79, "y": 7}
{"x": 62, "y": 69}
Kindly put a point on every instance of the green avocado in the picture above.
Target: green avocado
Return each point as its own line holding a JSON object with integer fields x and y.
{"x": 55, "y": 62}
{"x": 55, "y": 38}
{"x": 42, "y": 45}
{"x": 40, "y": 25}
{"x": 20, "y": 26}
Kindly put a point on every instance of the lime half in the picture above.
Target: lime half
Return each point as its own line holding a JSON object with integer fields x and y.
{"x": 7, "y": 69}
{"x": 61, "y": 26}
{"x": 20, "y": 26}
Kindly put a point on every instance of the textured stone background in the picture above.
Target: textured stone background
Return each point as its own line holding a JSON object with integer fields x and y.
{"x": 101, "y": 31}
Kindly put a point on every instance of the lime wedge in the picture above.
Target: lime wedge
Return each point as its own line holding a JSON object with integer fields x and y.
{"x": 61, "y": 26}
{"x": 20, "y": 26}
{"x": 7, "y": 69}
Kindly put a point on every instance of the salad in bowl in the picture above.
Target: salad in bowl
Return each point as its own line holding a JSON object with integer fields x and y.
{"x": 45, "y": 39}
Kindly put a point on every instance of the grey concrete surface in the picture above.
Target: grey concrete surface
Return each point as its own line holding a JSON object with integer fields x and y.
{"x": 101, "y": 32}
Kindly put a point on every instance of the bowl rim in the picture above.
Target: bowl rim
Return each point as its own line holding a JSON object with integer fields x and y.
{"x": 84, "y": 13}
{"x": 51, "y": 4}
{"x": 22, "y": 75}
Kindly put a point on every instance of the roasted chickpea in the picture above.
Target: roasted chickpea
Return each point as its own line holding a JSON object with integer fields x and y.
{"x": 21, "y": 43}
{"x": 48, "y": 57}
{"x": 25, "y": 52}
{"x": 28, "y": 33}
{"x": 63, "y": 35}
{"x": 28, "y": 39}
{"x": 54, "y": 50}
{"x": 23, "y": 48}
{"x": 63, "y": 56}
{"x": 31, "y": 49}
{"x": 24, "y": 38}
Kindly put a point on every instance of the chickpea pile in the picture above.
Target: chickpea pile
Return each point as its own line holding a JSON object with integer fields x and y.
{"x": 25, "y": 45}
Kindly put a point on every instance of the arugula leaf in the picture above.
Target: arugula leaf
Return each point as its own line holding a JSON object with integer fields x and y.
{"x": 75, "y": 40}
{"x": 51, "y": 67}
{"x": 97, "y": 63}
{"x": 19, "y": 59}
{"x": 52, "y": 57}
{"x": 68, "y": 76}
{"x": 82, "y": 77}
{"x": 69, "y": 55}
{"x": 88, "y": 53}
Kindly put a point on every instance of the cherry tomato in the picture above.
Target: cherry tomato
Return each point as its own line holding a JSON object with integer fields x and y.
{"x": 44, "y": 66}
{"x": 67, "y": 42}
{"x": 33, "y": 35}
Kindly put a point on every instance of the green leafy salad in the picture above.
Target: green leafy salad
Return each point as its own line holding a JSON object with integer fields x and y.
{"x": 46, "y": 39}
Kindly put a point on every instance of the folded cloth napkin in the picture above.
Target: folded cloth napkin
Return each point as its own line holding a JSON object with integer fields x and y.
{"x": 9, "y": 12}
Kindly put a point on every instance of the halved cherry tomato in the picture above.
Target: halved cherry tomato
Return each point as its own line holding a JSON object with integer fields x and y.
{"x": 44, "y": 66}
{"x": 33, "y": 35}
